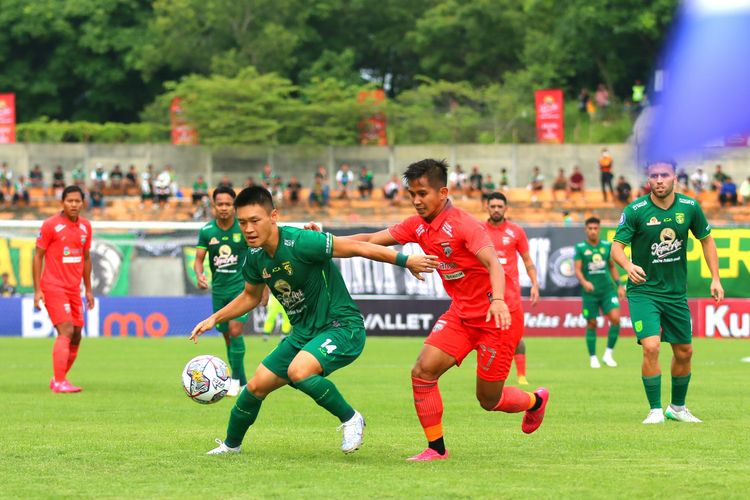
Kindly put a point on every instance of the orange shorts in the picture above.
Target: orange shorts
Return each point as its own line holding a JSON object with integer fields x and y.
{"x": 495, "y": 347}
{"x": 64, "y": 306}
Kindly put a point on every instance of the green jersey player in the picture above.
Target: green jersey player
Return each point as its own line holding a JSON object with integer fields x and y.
{"x": 597, "y": 274}
{"x": 656, "y": 228}
{"x": 225, "y": 246}
{"x": 328, "y": 331}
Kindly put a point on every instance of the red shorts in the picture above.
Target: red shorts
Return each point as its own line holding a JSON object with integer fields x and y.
{"x": 64, "y": 306}
{"x": 495, "y": 347}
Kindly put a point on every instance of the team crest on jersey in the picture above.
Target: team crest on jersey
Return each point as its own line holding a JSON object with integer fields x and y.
{"x": 236, "y": 237}
{"x": 506, "y": 240}
{"x": 653, "y": 221}
{"x": 679, "y": 217}
{"x": 83, "y": 239}
{"x": 587, "y": 252}
{"x": 265, "y": 274}
{"x": 213, "y": 241}
{"x": 287, "y": 267}
{"x": 447, "y": 250}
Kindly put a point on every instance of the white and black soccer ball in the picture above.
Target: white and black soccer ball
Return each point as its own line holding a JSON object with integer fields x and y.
{"x": 206, "y": 379}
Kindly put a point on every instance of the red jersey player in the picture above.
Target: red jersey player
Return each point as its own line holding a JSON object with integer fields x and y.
{"x": 478, "y": 318}
{"x": 510, "y": 240}
{"x": 62, "y": 249}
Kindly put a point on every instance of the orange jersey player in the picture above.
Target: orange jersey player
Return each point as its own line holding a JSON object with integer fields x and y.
{"x": 61, "y": 260}
{"x": 510, "y": 241}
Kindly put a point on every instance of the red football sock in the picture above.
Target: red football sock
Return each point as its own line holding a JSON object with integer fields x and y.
{"x": 60, "y": 355}
{"x": 520, "y": 364}
{"x": 514, "y": 400}
{"x": 429, "y": 407}
{"x": 72, "y": 356}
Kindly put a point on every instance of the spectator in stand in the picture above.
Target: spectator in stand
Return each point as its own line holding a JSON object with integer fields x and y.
{"x": 320, "y": 182}
{"x": 475, "y": 182}
{"x": 115, "y": 177}
{"x": 504, "y": 179}
{"x": 576, "y": 183}
{"x": 293, "y": 189}
{"x": 225, "y": 182}
{"x": 6, "y": 177}
{"x": 174, "y": 187}
{"x": 58, "y": 181}
{"x": 392, "y": 189}
{"x": 488, "y": 187}
{"x": 728, "y": 192}
{"x": 536, "y": 184}
{"x": 277, "y": 189}
{"x": 21, "y": 191}
{"x": 601, "y": 97}
{"x": 200, "y": 191}
{"x": 147, "y": 184}
{"x": 99, "y": 175}
{"x": 560, "y": 184}
{"x": 365, "y": 182}
{"x": 644, "y": 189}
{"x": 745, "y": 191}
{"x": 623, "y": 190}
{"x": 249, "y": 182}
{"x": 96, "y": 198}
{"x": 36, "y": 177}
{"x": 344, "y": 180}
{"x": 162, "y": 185}
{"x": 267, "y": 177}
{"x": 457, "y": 182}
{"x": 131, "y": 178}
{"x": 682, "y": 180}
{"x": 6, "y": 289}
{"x": 605, "y": 172}
{"x": 78, "y": 177}
{"x": 699, "y": 181}
{"x": 718, "y": 179}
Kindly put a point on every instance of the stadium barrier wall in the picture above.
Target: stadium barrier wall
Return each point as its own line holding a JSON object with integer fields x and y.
{"x": 152, "y": 317}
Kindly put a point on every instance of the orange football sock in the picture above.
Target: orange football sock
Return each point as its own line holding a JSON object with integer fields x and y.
{"x": 520, "y": 364}
{"x": 514, "y": 400}
{"x": 72, "y": 355}
{"x": 429, "y": 406}
{"x": 60, "y": 355}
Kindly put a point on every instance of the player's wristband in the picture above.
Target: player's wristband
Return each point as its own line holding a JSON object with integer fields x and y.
{"x": 401, "y": 259}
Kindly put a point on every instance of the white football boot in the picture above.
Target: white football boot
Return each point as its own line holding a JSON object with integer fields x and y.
{"x": 683, "y": 415}
{"x": 234, "y": 387}
{"x": 595, "y": 362}
{"x": 354, "y": 430}
{"x": 222, "y": 449}
{"x": 655, "y": 416}
{"x": 608, "y": 360}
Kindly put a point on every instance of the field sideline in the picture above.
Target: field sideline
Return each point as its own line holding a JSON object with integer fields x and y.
{"x": 133, "y": 434}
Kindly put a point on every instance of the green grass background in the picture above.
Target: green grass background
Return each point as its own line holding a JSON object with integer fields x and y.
{"x": 132, "y": 433}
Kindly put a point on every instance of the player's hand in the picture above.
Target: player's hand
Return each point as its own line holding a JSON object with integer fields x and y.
{"x": 717, "y": 291}
{"x": 418, "y": 264}
{"x": 636, "y": 274}
{"x": 202, "y": 327}
{"x": 588, "y": 286}
{"x": 38, "y": 298}
{"x": 202, "y": 281}
{"x": 499, "y": 311}
{"x": 89, "y": 300}
{"x": 534, "y": 295}
{"x": 312, "y": 226}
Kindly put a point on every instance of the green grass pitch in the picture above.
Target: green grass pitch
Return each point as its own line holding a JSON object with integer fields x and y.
{"x": 132, "y": 433}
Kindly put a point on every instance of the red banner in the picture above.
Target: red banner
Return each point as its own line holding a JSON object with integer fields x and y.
{"x": 372, "y": 128}
{"x": 7, "y": 118}
{"x": 182, "y": 131}
{"x": 549, "y": 116}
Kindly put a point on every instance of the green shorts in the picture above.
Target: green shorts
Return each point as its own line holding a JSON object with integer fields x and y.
{"x": 668, "y": 318}
{"x": 592, "y": 303}
{"x": 220, "y": 301}
{"x": 334, "y": 348}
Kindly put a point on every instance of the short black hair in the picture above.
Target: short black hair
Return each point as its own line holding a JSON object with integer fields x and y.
{"x": 672, "y": 163}
{"x": 592, "y": 220}
{"x": 436, "y": 172}
{"x": 498, "y": 196}
{"x": 223, "y": 190}
{"x": 254, "y": 195}
{"x": 73, "y": 189}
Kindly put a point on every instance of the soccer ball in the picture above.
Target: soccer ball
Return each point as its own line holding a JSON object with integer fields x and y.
{"x": 206, "y": 379}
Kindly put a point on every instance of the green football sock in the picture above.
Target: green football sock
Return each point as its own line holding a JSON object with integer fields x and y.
{"x": 243, "y": 414}
{"x": 653, "y": 390}
{"x": 591, "y": 340}
{"x": 236, "y": 357}
{"x": 325, "y": 393}
{"x": 612, "y": 335}
{"x": 679, "y": 389}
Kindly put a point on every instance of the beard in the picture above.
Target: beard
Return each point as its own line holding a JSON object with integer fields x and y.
{"x": 667, "y": 191}
{"x": 497, "y": 217}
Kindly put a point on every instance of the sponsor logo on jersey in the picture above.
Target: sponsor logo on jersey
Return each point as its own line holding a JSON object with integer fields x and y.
{"x": 640, "y": 204}
{"x": 83, "y": 239}
{"x": 454, "y": 276}
{"x": 622, "y": 219}
{"x": 653, "y": 221}
{"x": 447, "y": 250}
{"x": 506, "y": 240}
{"x": 59, "y": 227}
{"x": 679, "y": 217}
{"x": 447, "y": 266}
{"x": 668, "y": 245}
{"x": 66, "y": 251}
{"x": 225, "y": 257}
{"x": 289, "y": 243}
{"x": 287, "y": 267}
{"x": 265, "y": 274}
{"x": 290, "y": 298}
{"x": 587, "y": 252}
{"x": 213, "y": 241}
{"x": 686, "y": 201}
{"x": 439, "y": 325}
{"x": 236, "y": 237}
{"x": 667, "y": 219}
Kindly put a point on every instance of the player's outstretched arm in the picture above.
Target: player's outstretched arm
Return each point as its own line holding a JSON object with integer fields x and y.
{"x": 200, "y": 256}
{"x": 498, "y": 308}
{"x": 244, "y": 302}
{"x": 417, "y": 264}
{"x": 636, "y": 274}
{"x": 712, "y": 259}
{"x": 382, "y": 238}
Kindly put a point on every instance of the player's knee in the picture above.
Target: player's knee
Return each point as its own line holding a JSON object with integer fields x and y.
{"x": 591, "y": 323}
{"x": 651, "y": 351}
{"x": 297, "y": 372}
{"x": 685, "y": 353}
{"x": 423, "y": 372}
{"x": 488, "y": 403}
